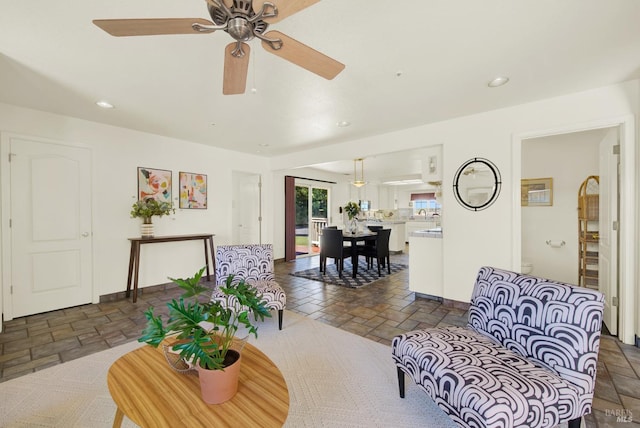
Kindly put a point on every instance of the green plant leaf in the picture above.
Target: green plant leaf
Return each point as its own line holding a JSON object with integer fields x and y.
{"x": 154, "y": 333}
{"x": 188, "y": 314}
{"x": 191, "y": 286}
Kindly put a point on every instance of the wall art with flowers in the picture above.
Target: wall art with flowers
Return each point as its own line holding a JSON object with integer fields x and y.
{"x": 154, "y": 184}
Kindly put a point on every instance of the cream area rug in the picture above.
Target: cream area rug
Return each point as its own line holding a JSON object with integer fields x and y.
{"x": 335, "y": 379}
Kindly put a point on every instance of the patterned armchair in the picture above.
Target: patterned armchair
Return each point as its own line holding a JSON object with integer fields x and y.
{"x": 527, "y": 357}
{"x": 254, "y": 264}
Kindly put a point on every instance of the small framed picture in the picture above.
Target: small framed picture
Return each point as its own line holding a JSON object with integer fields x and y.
{"x": 193, "y": 190}
{"x": 536, "y": 192}
{"x": 154, "y": 184}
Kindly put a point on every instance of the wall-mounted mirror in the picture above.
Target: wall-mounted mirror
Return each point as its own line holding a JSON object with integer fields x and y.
{"x": 477, "y": 184}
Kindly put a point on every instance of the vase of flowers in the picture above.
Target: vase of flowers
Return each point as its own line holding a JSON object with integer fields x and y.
{"x": 146, "y": 209}
{"x": 352, "y": 209}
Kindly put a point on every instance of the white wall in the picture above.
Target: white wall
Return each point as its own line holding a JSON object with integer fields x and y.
{"x": 473, "y": 239}
{"x": 117, "y": 152}
{"x": 568, "y": 159}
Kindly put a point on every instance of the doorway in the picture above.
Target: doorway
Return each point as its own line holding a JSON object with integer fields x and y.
{"x": 48, "y": 239}
{"x": 620, "y": 294}
{"x": 246, "y": 207}
{"x": 311, "y": 204}
{"x": 552, "y": 245}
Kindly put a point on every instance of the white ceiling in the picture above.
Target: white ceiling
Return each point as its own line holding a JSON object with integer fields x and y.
{"x": 407, "y": 63}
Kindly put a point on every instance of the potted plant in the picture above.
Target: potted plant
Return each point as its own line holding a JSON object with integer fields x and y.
{"x": 147, "y": 208}
{"x": 352, "y": 209}
{"x": 204, "y": 331}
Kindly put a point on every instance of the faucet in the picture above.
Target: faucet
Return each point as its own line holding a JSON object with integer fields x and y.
{"x": 423, "y": 211}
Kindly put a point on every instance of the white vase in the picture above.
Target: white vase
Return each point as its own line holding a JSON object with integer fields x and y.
{"x": 353, "y": 225}
{"x": 146, "y": 230}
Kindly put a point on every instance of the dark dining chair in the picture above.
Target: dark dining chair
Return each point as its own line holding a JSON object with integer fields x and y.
{"x": 379, "y": 251}
{"x": 332, "y": 247}
{"x": 372, "y": 243}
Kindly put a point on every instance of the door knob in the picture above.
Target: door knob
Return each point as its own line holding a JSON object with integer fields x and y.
{"x": 85, "y": 234}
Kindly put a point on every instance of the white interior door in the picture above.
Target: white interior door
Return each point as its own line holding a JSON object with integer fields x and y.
{"x": 50, "y": 226}
{"x": 246, "y": 208}
{"x": 608, "y": 237}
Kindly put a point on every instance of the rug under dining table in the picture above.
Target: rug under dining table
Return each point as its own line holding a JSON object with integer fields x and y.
{"x": 364, "y": 277}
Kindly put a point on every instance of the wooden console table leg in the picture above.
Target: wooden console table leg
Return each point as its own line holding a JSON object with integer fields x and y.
{"x": 213, "y": 258}
{"x": 132, "y": 258}
{"x": 117, "y": 419}
{"x": 206, "y": 257}
{"x": 135, "y": 273}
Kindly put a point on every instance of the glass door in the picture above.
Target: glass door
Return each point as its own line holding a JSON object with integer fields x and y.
{"x": 311, "y": 216}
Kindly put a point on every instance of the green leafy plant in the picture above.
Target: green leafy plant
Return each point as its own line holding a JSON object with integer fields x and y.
{"x": 205, "y": 329}
{"x": 149, "y": 207}
{"x": 352, "y": 209}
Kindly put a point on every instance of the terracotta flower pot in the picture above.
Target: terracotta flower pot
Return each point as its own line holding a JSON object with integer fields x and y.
{"x": 218, "y": 386}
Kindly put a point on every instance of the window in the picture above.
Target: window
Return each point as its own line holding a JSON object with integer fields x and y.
{"x": 425, "y": 203}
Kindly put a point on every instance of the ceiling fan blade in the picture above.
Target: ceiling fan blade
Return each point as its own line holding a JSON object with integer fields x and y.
{"x": 304, "y": 56}
{"x": 235, "y": 69}
{"x": 149, "y": 27}
{"x": 286, "y": 8}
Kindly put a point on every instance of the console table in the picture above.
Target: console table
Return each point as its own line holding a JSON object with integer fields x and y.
{"x": 134, "y": 256}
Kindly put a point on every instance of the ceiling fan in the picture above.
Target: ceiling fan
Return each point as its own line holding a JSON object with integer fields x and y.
{"x": 243, "y": 20}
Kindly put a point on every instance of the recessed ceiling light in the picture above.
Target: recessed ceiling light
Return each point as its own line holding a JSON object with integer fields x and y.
{"x": 263, "y": 145}
{"x": 104, "y": 104}
{"x": 498, "y": 81}
{"x": 343, "y": 124}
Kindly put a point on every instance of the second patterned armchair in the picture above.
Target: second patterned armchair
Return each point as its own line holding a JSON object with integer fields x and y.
{"x": 254, "y": 264}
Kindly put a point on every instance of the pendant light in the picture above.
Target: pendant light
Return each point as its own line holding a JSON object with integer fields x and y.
{"x": 360, "y": 182}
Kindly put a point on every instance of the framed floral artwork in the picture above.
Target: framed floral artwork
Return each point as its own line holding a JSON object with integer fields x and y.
{"x": 193, "y": 190}
{"x": 154, "y": 184}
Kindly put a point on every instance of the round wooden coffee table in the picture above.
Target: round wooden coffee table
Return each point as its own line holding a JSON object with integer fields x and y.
{"x": 151, "y": 394}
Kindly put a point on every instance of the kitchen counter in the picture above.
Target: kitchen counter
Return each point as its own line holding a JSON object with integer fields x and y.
{"x": 420, "y": 224}
{"x": 428, "y": 233}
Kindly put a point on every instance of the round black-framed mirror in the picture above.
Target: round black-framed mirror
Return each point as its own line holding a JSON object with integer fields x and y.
{"x": 477, "y": 184}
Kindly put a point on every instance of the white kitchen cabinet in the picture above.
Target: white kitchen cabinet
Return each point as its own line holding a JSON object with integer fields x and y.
{"x": 396, "y": 240}
{"x": 397, "y": 237}
{"x": 425, "y": 266}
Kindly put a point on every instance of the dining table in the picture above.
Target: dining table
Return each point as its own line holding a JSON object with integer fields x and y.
{"x": 354, "y": 238}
